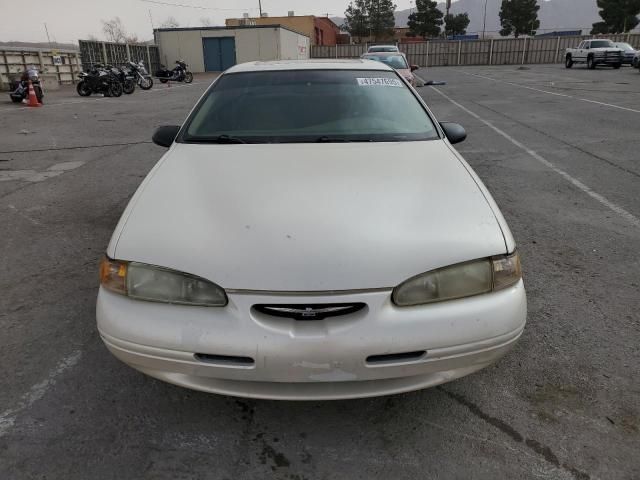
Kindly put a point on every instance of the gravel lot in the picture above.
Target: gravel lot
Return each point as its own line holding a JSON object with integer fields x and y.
{"x": 559, "y": 150}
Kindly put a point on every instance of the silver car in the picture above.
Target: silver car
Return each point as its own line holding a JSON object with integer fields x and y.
{"x": 628, "y": 53}
{"x": 311, "y": 233}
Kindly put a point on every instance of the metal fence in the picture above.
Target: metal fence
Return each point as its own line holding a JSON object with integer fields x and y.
{"x": 118, "y": 54}
{"x": 499, "y": 51}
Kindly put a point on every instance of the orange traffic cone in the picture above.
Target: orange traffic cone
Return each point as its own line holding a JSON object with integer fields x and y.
{"x": 33, "y": 99}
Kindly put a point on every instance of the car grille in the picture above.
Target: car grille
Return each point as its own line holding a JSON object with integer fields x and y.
{"x": 314, "y": 311}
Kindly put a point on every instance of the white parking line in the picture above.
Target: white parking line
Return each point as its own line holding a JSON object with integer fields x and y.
{"x": 611, "y": 105}
{"x": 574, "y": 181}
{"x": 36, "y": 392}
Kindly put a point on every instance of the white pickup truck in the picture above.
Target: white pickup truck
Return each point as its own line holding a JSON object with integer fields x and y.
{"x": 593, "y": 53}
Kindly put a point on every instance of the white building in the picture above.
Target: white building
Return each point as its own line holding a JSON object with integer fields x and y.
{"x": 214, "y": 49}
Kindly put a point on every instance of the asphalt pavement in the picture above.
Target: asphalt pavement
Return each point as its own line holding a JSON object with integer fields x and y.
{"x": 559, "y": 151}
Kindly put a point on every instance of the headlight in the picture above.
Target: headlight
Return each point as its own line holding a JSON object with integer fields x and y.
{"x": 460, "y": 280}
{"x": 157, "y": 284}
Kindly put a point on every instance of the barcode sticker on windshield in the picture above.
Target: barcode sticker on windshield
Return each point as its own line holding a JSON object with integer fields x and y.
{"x": 379, "y": 82}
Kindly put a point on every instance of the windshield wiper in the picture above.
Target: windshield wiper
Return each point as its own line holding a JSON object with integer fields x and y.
{"x": 223, "y": 139}
{"x": 327, "y": 139}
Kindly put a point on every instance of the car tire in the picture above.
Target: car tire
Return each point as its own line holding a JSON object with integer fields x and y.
{"x": 591, "y": 64}
{"x": 568, "y": 62}
{"x": 617, "y": 66}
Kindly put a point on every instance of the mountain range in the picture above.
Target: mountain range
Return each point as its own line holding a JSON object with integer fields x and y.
{"x": 553, "y": 15}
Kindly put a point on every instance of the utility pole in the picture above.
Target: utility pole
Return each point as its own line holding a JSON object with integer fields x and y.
{"x": 484, "y": 22}
{"x": 260, "y": 7}
{"x": 47, "y": 31}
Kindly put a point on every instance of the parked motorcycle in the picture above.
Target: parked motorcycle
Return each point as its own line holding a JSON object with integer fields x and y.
{"x": 178, "y": 74}
{"x": 99, "y": 80}
{"x": 140, "y": 74}
{"x": 125, "y": 77}
{"x": 19, "y": 89}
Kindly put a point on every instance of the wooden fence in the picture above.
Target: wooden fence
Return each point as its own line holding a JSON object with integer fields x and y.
{"x": 55, "y": 66}
{"x": 118, "y": 54}
{"x": 499, "y": 51}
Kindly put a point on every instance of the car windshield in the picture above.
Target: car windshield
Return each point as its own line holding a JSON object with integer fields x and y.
{"x": 394, "y": 61}
{"x": 388, "y": 48}
{"x": 602, "y": 44}
{"x": 309, "y": 106}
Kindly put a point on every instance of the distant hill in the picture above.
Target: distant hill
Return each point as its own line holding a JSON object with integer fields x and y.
{"x": 47, "y": 45}
{"x": 553, "y": 14}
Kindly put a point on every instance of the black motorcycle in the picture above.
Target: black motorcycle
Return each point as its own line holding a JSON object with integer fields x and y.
{"x": 126, "y": 78}
{"x": 178, "y": 74}
{"x": 99, "y": 80}
{"x": 19, "y": 89}
{"x": 140, "y": 74}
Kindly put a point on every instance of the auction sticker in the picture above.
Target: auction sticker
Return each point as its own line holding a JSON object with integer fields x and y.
{"x": 379, "y": 82}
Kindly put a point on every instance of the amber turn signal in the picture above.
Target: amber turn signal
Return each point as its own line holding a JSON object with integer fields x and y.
{"x": 113, "y": 275}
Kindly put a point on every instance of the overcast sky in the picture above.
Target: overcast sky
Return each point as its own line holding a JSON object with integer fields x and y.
{"x": 70, "y": 20}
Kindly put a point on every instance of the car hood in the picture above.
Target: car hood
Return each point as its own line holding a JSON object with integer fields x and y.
{"x": 308, "y": 217}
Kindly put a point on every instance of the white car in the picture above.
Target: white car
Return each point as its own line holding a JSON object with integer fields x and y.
{"x": 383, "y": 48}
{"x": 311, "y": 233}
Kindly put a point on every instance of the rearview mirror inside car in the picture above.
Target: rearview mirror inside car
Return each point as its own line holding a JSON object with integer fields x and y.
{"x": 455, "y": 133}
{"x": 414, "y": 68}
{"x": 164, "y": 136}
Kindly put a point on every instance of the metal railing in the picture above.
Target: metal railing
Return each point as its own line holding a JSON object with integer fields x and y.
{"x": 498, "y": 51}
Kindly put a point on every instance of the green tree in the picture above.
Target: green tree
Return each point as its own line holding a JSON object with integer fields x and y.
{"x": 518, "y": 17}
{"x": 619, "y": 16}
{"x": 381, "y": 18}
{"x": 426, "y": 20}
{"x": 356, "y": 21}
{"x": 456, "y": 24}
{"x": 370, "y": 18}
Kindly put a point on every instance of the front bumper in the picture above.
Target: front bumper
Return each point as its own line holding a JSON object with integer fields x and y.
{"x": 608, "y": 59}
{"x": 304, "y": 360}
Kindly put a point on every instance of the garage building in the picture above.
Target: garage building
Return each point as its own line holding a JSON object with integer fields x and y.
{"x": 214, "y": 49}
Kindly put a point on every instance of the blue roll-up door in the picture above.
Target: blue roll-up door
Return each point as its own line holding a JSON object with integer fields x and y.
{"x": 219, "y": 53}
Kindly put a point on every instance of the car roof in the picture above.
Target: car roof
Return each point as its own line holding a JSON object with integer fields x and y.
{"x": 382, "y": 54}
{"x": 384, "y": 46}
{"x": 315, "y": 64}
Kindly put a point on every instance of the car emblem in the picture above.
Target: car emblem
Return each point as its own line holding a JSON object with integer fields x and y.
{"x": 311, "y": 311}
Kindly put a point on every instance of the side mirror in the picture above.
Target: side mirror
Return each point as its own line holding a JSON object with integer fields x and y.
{"x": 455, "y": 133}
{"x": 414, "y": 68}
{"x": 164, "y": 136}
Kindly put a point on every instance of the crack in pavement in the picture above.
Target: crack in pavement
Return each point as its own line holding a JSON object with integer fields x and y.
{"x": 542, "y": 450}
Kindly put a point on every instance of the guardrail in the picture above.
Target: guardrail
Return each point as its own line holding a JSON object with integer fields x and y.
{"x": 498, "y": 51}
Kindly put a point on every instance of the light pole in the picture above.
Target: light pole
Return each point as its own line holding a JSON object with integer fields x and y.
{"x": 484, "y": 22}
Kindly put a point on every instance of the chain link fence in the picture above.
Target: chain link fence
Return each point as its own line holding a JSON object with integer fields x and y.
{"x": 499, "y": 51}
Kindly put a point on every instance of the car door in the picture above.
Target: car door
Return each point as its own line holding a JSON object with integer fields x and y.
{"x": 585, "y": 51}
{"x": 579, "y": 52}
